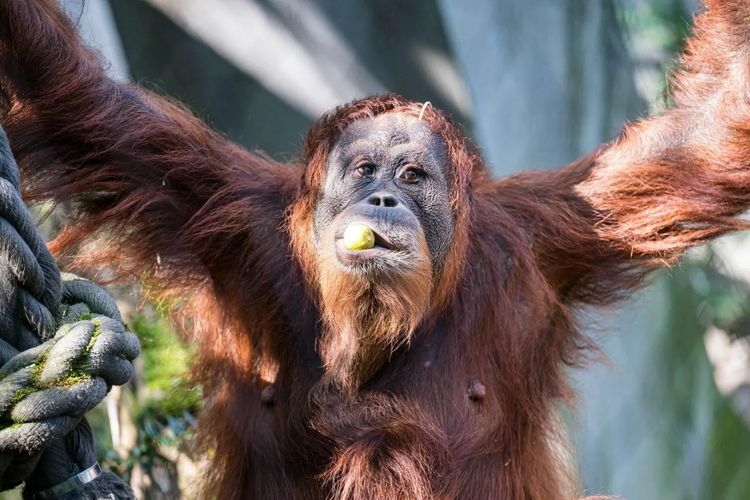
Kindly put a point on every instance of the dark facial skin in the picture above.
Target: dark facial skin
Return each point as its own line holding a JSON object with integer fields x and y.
{"x": 392, "y": 173}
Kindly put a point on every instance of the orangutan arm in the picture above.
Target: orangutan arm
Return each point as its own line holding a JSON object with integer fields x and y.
{"x": 171, "y": 194}
{"x": 668, "y": 183}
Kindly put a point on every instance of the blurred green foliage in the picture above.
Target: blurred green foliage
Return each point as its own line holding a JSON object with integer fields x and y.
{"x": 162, "y": 404}
{"x": 725, "y": 300}
{"x": 664, "y": 23}
{"x": 655, "y": 31}
{"x": 705, "y": 435}
{"x": 166, "y": 359}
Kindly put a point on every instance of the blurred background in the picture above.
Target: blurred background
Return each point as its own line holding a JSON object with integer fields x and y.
{"x": 535, "y": 84}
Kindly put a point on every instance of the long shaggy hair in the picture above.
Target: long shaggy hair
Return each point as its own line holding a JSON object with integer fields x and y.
{"x": 368, "y": 315}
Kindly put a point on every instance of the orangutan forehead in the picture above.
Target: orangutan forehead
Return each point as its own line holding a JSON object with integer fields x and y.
{"x": 392, "y": 131}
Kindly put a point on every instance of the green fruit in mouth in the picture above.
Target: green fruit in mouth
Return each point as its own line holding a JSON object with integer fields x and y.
{"x": 358, "y": 237}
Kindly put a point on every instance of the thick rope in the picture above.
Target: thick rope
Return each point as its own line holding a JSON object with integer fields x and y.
{"x": 45, "y": 390}
{"x": 62, "y": 340}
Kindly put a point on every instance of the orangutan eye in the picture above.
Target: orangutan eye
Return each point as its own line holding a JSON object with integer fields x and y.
{"x": 411, "y": 174}
{"x": 365, "y": 169}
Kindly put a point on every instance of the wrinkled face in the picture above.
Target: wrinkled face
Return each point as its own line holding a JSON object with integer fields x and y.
{"x": 392, "y": 174}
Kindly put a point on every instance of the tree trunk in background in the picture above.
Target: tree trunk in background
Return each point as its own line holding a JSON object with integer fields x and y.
{"x": 549, "y": 80}
{"x": 96, "y": 24}
{"x": 212, "y": 65}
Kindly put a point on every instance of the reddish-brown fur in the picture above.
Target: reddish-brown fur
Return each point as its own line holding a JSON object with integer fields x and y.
{"x": 224, "y": 235}
{"x": 366, "y": 319}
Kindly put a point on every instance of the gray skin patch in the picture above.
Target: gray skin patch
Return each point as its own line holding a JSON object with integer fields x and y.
{"x": 394, "y": 172}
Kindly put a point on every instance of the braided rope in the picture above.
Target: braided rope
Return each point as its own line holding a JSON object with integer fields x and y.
{"x": 62, "y": 340}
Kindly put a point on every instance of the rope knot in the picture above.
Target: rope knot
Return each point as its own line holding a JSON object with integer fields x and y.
{"x": 44, "y": 391}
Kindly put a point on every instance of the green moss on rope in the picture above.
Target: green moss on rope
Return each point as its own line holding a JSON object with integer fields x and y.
{"x": 36, "y": 373}
{"x": 78, "y": 373}
{"x": 20, "y": 394}
{"x": 74, "y": 378}
{"x": 89, "y": 345}
{"x": 97, "y": 330}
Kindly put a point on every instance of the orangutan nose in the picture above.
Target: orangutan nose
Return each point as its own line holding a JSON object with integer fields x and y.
{"x": 382, "y": 199}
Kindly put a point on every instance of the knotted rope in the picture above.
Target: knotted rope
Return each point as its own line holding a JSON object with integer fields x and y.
{"x": 62, "y": 340}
